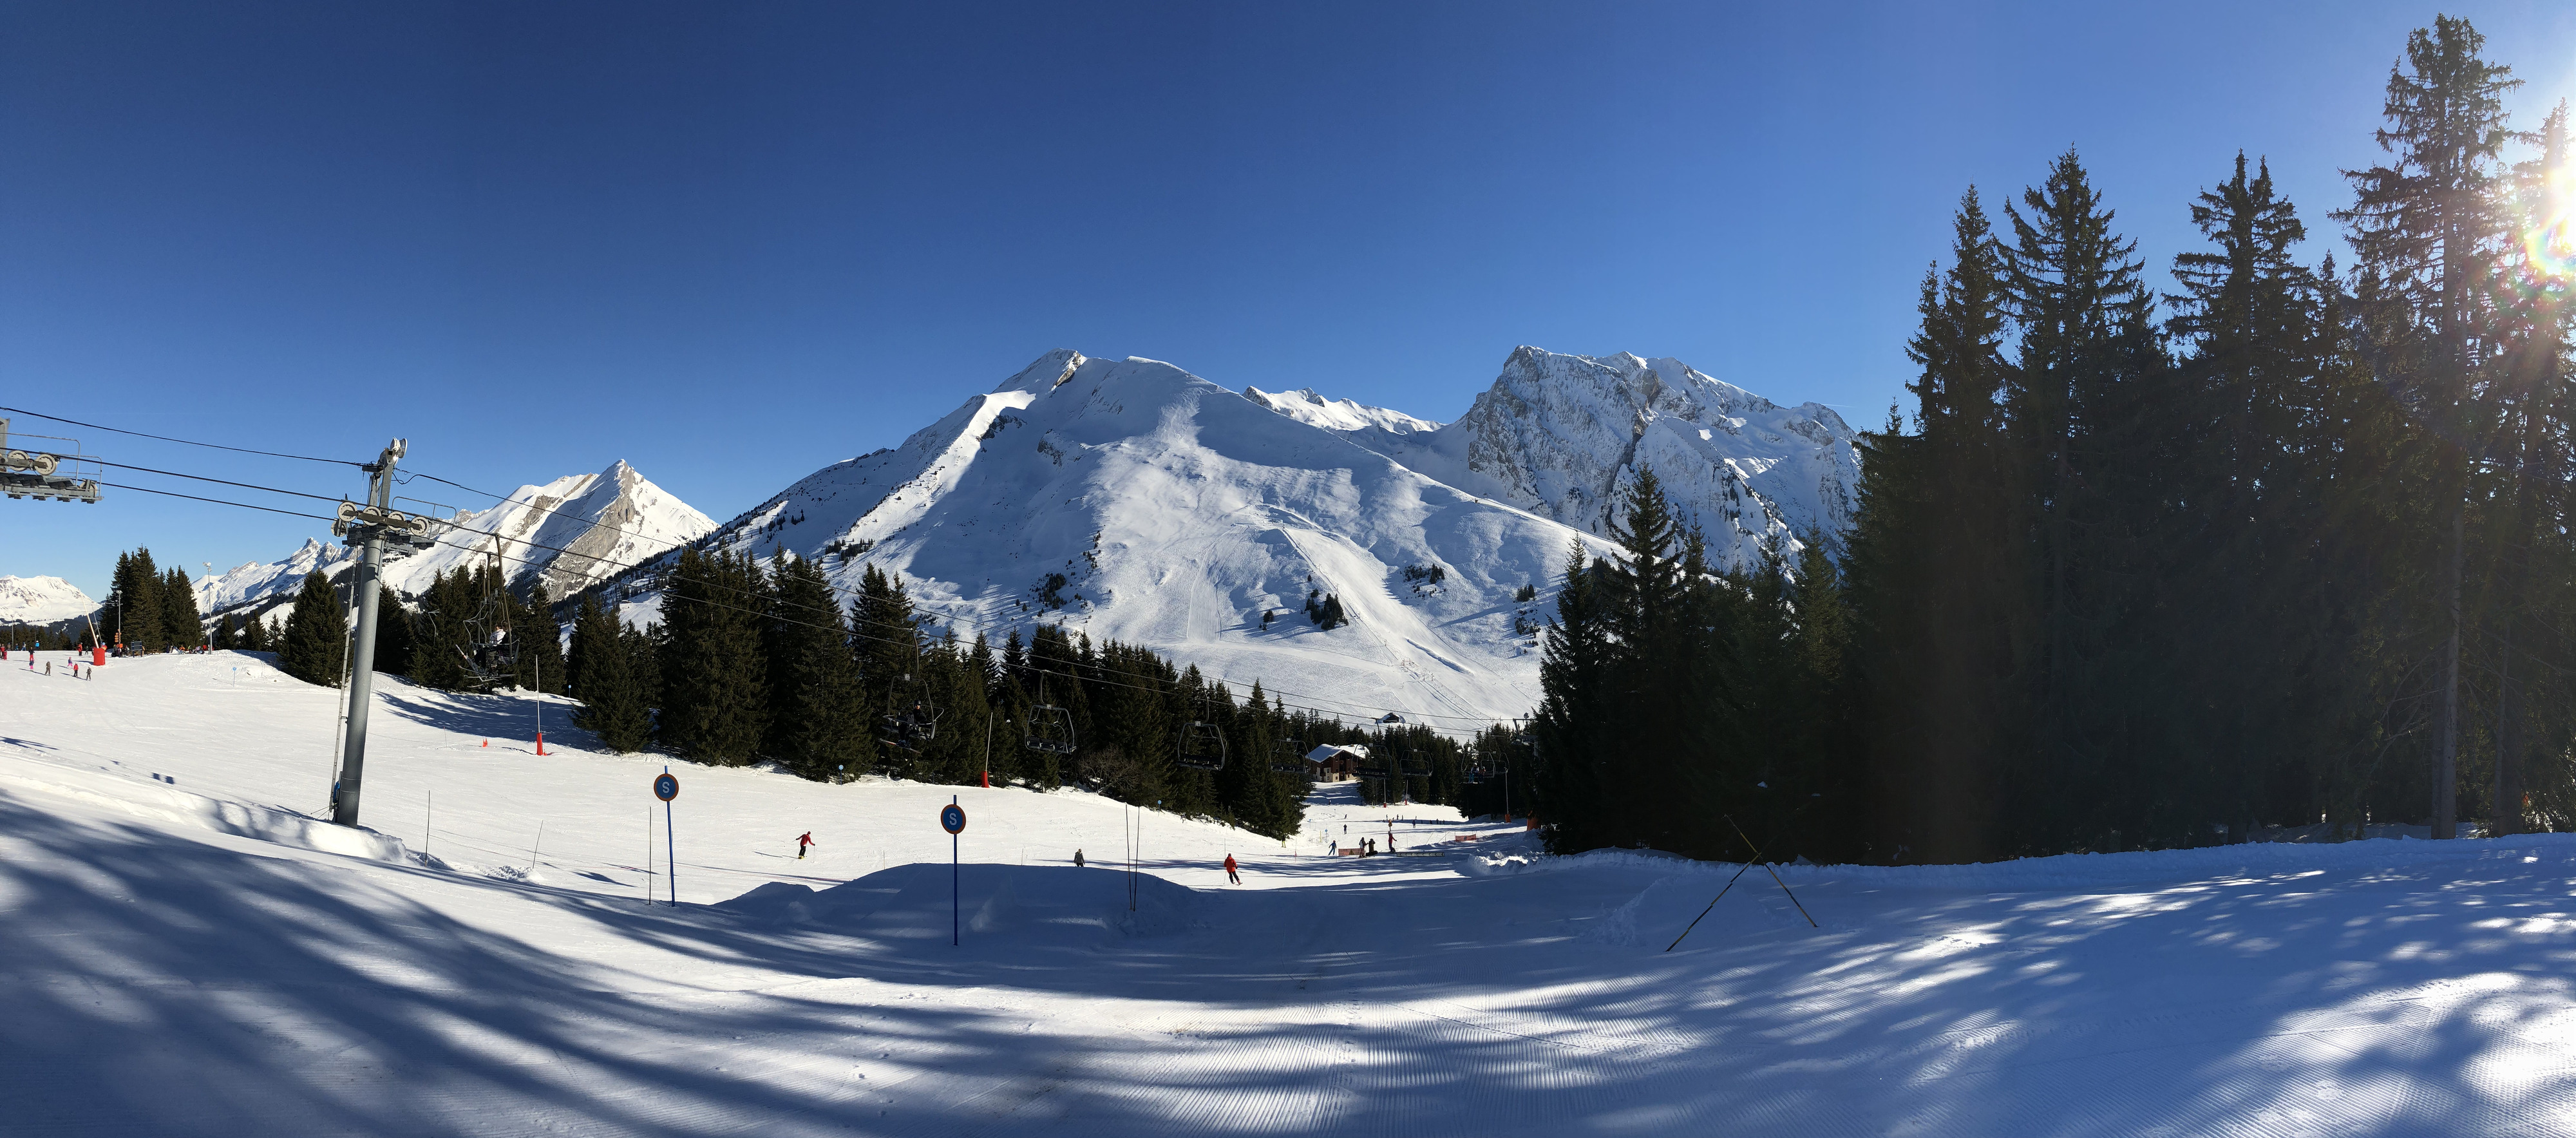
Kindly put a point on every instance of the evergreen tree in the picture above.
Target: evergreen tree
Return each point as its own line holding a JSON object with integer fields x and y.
{"x": 1575, "y": 699}
{"x": 442, "y": 631}
{"x": 714, "y": 704}
{"x": 135, "y": 604}
{"x": 315, "y": 646}
{"x": 223, "y": 639}
{"x": 615, "y": 705}
{"x": 2428, "y": 232}
{"x": 255, "y": 635}
{"x": 818, "y": 719}
{"x": 393, "y": 633}
{"x": 886, "y": 643}
{"x": 540, "y": 662}
{"x": 180, "y": 627}
{"x": 593, "y": 633}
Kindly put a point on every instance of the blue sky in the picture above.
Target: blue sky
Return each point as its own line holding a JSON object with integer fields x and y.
{"x": 732, "y": 243}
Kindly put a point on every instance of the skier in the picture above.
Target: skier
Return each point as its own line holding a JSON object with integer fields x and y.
{"x": 1230, "y": 875}
{"x": 803, "y": 840}
{"x": 1077, "y": 859}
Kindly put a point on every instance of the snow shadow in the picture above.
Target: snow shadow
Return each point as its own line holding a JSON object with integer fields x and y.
{"x": 160, "y": 985}
{"x": 497, "y": 717}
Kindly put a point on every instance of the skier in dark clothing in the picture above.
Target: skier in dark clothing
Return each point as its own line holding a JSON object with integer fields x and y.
{"x": 803, "y": 840}
{"x": 1077, "y": 859}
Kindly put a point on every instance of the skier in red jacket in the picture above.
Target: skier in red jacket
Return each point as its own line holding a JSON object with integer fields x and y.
{"x": 1229, "y": 870}
{"x": 803, "y": 840}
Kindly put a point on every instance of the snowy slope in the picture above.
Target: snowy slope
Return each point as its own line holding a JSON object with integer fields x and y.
{"x": 41, "y": 600}
{"x": 1561, "y": 435}
{"x": 181, "y": 953}
{"x": 595, "y": 524}
{"x": 1132, "y": 500}
{"x": 1307, "y": 407}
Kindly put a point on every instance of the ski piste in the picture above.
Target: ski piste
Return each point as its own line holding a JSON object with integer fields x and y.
{"x": 188, "y": 951}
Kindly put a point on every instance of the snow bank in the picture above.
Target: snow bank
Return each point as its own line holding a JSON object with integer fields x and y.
{"x": 1033, "y": 904}
{"x": 168, "y": 803}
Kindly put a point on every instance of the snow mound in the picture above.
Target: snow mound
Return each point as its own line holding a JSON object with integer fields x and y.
{"x": 1031, "y": 905}
{"x": 164, "y": 802}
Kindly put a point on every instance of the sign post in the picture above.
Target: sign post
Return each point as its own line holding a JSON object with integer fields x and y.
{"x": 667, "y": 788}
{"x": 952, "y": 818}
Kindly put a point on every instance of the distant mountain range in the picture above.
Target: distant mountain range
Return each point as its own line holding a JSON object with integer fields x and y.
{"x": 1132, "y": 500}
{"x": 571, "y": 533}
{"x": 46, "y": 601}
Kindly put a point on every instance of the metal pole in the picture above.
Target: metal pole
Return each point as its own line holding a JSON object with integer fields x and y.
{"x": 362, "y": 665}
{"x": 672, "y": 843}
{"x": 955, "y": 925}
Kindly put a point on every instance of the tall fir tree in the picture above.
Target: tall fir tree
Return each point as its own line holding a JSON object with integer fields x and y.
{"x": 315, "y": 646}
{"x": 394, "y": 649}
{"x": 818, "y": 718}
{"x": 714, "y": 699}
{"x": 2428, "y": 233}
{"x": 180, "y": 626}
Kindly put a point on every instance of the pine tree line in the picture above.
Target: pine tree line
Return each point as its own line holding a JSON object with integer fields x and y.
{"x": 149, "y": 609}
{"x": 2283, "y": 547}
{"x": 756, "y": 662}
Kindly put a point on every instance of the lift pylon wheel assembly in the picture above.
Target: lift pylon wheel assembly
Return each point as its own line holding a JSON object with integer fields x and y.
{"x": 39, "y": 474}
{"x": 1202, "y": 747}
{"x": 1289, "y": 757}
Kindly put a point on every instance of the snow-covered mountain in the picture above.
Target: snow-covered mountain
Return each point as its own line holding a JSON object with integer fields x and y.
{"x": 1561, "y": 435}
{"x": 575, "y": 531}
{"x": 41, "y": 600}
{"x": 1338, "y": 415}
{"x": 1132, "y": 500}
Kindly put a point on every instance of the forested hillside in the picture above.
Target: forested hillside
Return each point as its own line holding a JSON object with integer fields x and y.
{"x": 2283, "y": 546}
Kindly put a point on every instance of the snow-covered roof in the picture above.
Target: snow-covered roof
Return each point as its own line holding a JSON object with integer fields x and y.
{"x": 1329, "y": 752}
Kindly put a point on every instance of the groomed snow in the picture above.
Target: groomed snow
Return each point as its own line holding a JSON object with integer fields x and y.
{"x": 182, "y": 954}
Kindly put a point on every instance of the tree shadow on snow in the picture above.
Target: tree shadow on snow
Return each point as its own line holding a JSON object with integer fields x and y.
{"x": 161, "y": 985}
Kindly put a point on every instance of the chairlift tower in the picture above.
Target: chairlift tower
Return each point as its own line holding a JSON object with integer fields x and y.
{"x": 368, "y": 527}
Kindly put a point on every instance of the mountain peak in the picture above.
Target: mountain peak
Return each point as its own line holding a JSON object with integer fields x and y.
{"x": 1045, "y": 373}
{"x": 41, "y": 600}
{"x": 1312, "y": 409}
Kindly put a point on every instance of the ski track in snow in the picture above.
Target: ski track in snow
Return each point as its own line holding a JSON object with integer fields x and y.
{"x": 185, "y": 954}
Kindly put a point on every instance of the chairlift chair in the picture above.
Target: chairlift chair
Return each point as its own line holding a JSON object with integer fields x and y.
{"x": 1288, "y": 756}
{"x": 912, "y": 722}
{"x": 1372, "y": 765}
{"x": 1417, "y": 766}
{"x": 1050, "y": 730}
{"x": 1202, "y": 747}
